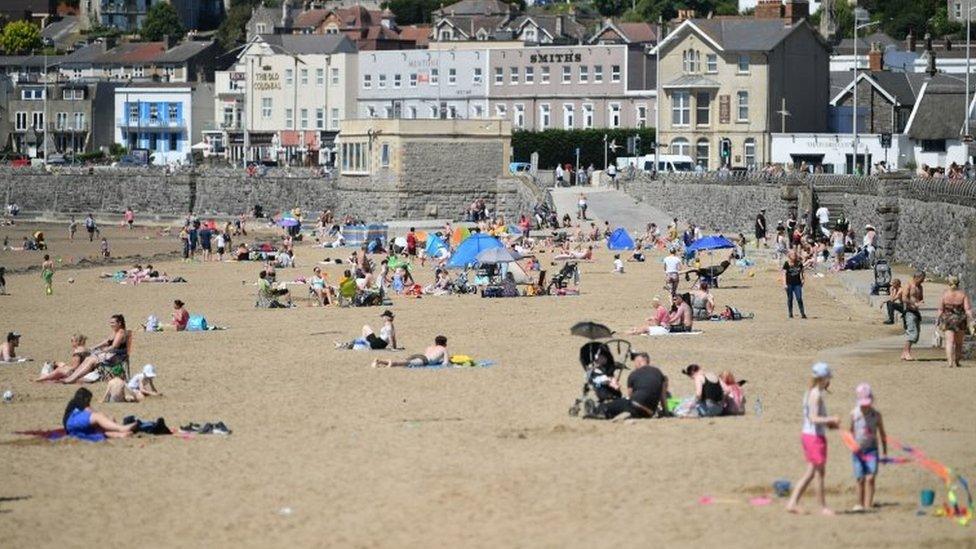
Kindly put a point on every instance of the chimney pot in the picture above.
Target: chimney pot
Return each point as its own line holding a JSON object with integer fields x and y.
{"x": 875, "y": 58}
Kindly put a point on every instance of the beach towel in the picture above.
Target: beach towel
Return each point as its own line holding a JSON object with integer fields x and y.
{"x": 694, "y": 332}
{"x": 44, "y": 434}
{"x": 469, "y": 364}
{"x": 17, "y": 360}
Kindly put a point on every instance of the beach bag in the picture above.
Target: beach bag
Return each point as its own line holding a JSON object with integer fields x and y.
{"x": 152, "y": 324}
{"x": 197, "y": 323}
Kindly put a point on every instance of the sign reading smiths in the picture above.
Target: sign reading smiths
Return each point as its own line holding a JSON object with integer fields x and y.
{"x": 555, "y": 58}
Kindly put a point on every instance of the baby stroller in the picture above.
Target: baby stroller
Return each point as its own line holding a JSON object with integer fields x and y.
{"x": 569, "y": 272}
{"x": 709, "y": 275}
{"x": 462, "y": 286}
{"x": 882, "y": 278}
{"x": 600, "y": 368}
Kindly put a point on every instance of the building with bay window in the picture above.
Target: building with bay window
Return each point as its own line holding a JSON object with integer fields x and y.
{"x": 728, "y": 83}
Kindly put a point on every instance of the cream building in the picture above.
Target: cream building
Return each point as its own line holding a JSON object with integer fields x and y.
{"x": 285, "y": 98}
{"x": 728, "y": 83}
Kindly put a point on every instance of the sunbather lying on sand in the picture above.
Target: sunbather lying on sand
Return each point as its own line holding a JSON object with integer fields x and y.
{"x": 434, "y": 355}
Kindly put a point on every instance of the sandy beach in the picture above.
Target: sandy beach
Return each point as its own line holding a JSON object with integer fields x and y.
{"x": 327, "y": 451}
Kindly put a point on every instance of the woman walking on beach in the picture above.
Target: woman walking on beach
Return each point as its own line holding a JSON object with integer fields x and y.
{"x": 793, "y": 282}
{"x": 47, "y": 274}
{"x": 815, "y": 425}
{"x": 955, "y": 312}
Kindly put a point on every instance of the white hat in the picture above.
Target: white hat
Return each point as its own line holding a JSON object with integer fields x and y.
{"x": 149, "y": 371}
{"x": 821, "y": 370}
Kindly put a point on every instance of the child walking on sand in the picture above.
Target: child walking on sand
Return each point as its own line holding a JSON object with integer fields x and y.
{"x": 47, "y": 274}
{"x": 815, "y": 423}
{"x": 865, "y": 426}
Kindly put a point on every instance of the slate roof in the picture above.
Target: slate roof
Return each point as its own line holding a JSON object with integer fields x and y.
{"x": 903, "y": 86}
{"x": 629, "y": 33}
{"x": 475, "y": 7}
{"x": 939, "y": 113}
{"x": 745, "y": 33}
{"x": 304, "y": 44}
{"x": 548, "y": 22}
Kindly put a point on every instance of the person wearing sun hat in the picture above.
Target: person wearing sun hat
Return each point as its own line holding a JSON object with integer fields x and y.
{"x": 814, "y": 437}
{"x": 867, "y": 428}
{"x": 369, "y": 339}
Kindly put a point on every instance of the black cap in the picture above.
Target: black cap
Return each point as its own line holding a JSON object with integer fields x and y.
{"x": 387, "y": 313}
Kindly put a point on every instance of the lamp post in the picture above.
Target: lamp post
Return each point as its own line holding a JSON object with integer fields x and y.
{"x": 969, "y": 16}
{"x": 657, "y": 97}
{"x": 859, "y": 15}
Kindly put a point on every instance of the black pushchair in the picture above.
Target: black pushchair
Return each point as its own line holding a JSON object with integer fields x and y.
{"x": 569, "y": 273}
{"x": 600, "y": 369}
{"x": 709, "y": 275}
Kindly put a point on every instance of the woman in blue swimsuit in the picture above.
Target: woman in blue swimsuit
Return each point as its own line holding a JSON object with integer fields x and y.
{"x": 80, "y": 421}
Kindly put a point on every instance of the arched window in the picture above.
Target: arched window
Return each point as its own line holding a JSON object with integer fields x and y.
{"x": 680, "y": 146}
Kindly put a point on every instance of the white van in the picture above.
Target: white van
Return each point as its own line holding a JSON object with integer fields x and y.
{"x": 667, "y": 163}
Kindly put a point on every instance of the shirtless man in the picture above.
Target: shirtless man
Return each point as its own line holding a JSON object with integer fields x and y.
{"x": 681, "y": 319}
{"x": 911, "y": 296}
{"x": 434, "y": 355}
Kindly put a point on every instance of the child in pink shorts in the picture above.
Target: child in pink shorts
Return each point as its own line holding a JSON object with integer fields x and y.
{"x": 814, "y": 439}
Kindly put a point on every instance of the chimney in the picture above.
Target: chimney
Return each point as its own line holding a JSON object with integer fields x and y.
{"x": 910, "y": 40}
{"x": 684, "y": 14}
{"x": 796, "y": 11}
{"x": 169, "y": 42}
{"x": 559, "y": 26}
{"x": 284, "y": 14}
{"x": 875, "y": 58}
{"x": 109, "y": 43}
{"x": 769, "y": 9}
{"x": 931, "y": 70}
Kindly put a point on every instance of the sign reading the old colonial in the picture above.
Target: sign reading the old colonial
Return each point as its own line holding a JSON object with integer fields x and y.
{"x": 724, "y": 109}
{"x": 555, "y": 58}
{"x": 267, "y": 81}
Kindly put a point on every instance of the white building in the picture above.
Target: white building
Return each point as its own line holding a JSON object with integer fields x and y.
{"x": 158, "y": 119}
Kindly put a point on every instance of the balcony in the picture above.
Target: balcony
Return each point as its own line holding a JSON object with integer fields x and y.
{"x": 151, "y": 123}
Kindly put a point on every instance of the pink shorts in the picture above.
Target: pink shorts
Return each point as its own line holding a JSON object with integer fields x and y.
{"x": 815, "y": 449}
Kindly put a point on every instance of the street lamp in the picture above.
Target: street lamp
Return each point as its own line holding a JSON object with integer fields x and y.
{"x": 969, "y": 17}
{"x": 859, "y": 15}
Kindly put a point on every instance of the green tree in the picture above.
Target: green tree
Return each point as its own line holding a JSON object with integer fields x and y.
{"x": 162, "y": 20}
{"x": 412, "y": 12}
{"x": 20, "y": 37}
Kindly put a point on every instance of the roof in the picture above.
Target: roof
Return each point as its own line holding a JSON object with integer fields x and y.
{"x": 307, "y": 44}
{"x": 471, "y": 24}
{"x": 418, "y": 33}
{"x": 134, "y": 52}
{"x": 476, "y": 7}
{"x": 745, "y": 33}
{"x": 846, "y": 46}
{"x": 548, "y": 22}
{"x": 902, "y": 87}
{"x": 311, "y": 18}
{"x": 184, "y": 51}
{"x": 691, "y": 81}
{"x": 63, "y": 29}
{"x": 937, "y": 113}
{"x": 629, "y": 33}
{"x": 29, "y": 60}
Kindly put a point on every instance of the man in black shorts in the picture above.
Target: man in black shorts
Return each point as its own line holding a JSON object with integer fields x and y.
{"x": 647, "y": 388}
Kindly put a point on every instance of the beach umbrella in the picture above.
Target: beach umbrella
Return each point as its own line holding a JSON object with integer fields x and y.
{"x": 497, "y": 255}
{"x": 287, "y": 222}
{"x": 591, "y": 330}
{"x": 710, "y": 243}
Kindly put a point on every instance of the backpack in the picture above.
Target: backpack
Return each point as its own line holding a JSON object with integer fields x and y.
{"x": 197, "y": 323}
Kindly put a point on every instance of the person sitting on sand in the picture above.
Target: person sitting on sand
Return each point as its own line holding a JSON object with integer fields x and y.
{"x": 318, "y": 287}
{"x": 243, "y": 254}
{"x": 115, "y": 389}
{"x": 509, "y": 287}
{"x": 442, "y": 283}
{"x": 180, "y": 316}
{"x": 580, "y": 256}
{"x": 369, "y": 339}
{"x": 658, "y": 322}
{"x": 647, "y": 389}
{"x": 709, "y": 396}
{"x": 62, "y": 370}
{"x": 82, "y": 422}
{"x": 8, "y": 349}
{"x": 108, "y": 353}
{"x": 143, "y": 384}
{"x": 434, "y": 355}
{"x": 681, "y": 318}
{"x": 702, "y": 302}
{"x": 735, "y": 400}
{"x": 268, "y": 295}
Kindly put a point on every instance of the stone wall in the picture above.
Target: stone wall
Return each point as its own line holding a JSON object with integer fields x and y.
{"x": 150, "y": 192}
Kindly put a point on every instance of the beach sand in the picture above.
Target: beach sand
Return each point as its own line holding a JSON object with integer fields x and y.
{"x": 327, "y": 451}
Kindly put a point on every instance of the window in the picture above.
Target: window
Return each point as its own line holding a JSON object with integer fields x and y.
{"x": 641, "y": 116}
{"x": 434, "y": 76}
{"x": 412, "y": 112}
{"x": 615, "y": 73}
{"x": 584, "y": 73}
{"x": 568, "y": 116}
{"x": 680, "y": 147}
{"x": 71, "y": 94}
{"x": 367, "y": 81}
{"x": 597, "y": 74}
{"x": 385, "y": 155}
{"x": 21, "y": 124}
{"x": 355, "y": 157}
{"x": 138, "y": 71}
{"x": 567, "y": 74}
{"x": 513, "y": 75}
{"x": 76, "y": 73}
{"x": 691, "y": 61}
{"x": 262, "y": 28}
{"x": 153, "y": 112}
{"x": 451, "y": 76}
{"x": 587, "y": 116}
{"x": 266, "y": 105}
{"x": 289, "y": 77}
{"x": 957, "y": 10}
{"x": 544, "y": 118}
{"x": 79, "y": 120}
{"x": 397, "y": 79}
{"x": 32, "y": 94}
{"x": 370, "y": 112}
{"x": 529, "y": 75}
{"x": 133, "y": 111}
{"x": 334, "y": 119}
{"x": 479, "y": 112}
{"x": 477, "y": 75}
{"x": 434, "y": 113}
{"x": 289, "y": 118}
{"x": 61, "y": 120}
{"x": 743, "y": 64}
{"x": 381, "y": 81}
{"x": 304, "y": 75}
{"x": 304, "y": 119}
{"x": 451, "y": 112}
{"x": 614, "y": 121}
{"x": 334, "y": 72}
{"x": 711, "y": 63}
{"x": 173, "y": 111}
{"x": 530, "y": 34}
{"x": 174, "y": 142}
{"x": 519, "y": 116}
{"x": 545, "y": 75}
{"x": 680, "y": 108}
{"x": 749, "y": 149}
{"x": 928, "y": 145}
{"x": 743, "y": 106}
{"x": 153, "y": 141}
{"x": 499, "y": 75}
{"x": 500, "y": 111}
{"x": 413, "y": 80}
{"x": 387, "y": 112}
{"x": 320, "y": 77}
{"x": 703, "y": 104}
{"x": 701, "y": 153}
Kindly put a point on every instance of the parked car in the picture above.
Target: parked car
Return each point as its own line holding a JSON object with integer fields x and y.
{"x": 516, "y": 167}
